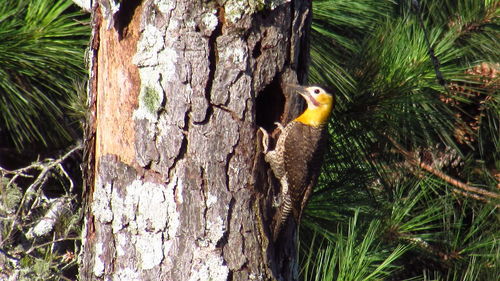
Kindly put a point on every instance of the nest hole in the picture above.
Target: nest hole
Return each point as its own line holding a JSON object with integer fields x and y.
{"x": 270, "y": 104}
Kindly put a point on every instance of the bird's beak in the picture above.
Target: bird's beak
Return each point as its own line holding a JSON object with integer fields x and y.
{"x": 297, "y": 89}
{"x": 303, "y": 92}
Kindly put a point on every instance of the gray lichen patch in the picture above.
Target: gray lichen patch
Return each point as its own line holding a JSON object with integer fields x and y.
{"x": 98, "y": 268}
{"x": 127, "y": 274}
{"x": 210, "y": 21}
{"x": 149, "y": 247}
{"x": 208, "y": 265}
{"x": 152, "y": 206}
{"x": 151, "y": 43}
{"x": 101, "y": 207}
{"x": 216, "y": 228}
{"x": 124, "y": 208}
{"x": 167, "y": 60}
{"x": 236, "y": 8}
{"x": 165, "y": 6}
{"x": 146, "y": 207}
{"x": 141, "y": 216}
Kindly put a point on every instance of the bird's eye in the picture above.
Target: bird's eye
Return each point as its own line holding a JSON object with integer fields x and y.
{"x": 316, "y": 91}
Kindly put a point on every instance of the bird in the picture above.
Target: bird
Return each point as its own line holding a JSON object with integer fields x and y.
{"x": 297, "y": 156}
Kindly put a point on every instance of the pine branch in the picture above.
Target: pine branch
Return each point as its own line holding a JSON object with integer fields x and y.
{"x": 51, "y": 242}
{"x": 422, "y": 244}
{"x": 45, "y": 167}
{"x": 46, "y": 224}
{"x": 465, "y": 189}
{"x": 432, "y": 55}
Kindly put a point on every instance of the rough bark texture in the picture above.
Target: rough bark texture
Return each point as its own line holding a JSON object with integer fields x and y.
{"x": 177, "y": 92}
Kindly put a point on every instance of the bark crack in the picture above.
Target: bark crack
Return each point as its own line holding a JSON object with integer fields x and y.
{"x": 288, "y": 58}
{"x": 205, "y": 196}
{"x": 228, "y": 160}
{"x": 213, "y": 53}
{"x": 183, "y": 147}
{"x": 224, "y": 239}
{"x": 233, "y": 114}
{"x": 213, "y": 58}
{"x": 112, "y": 247}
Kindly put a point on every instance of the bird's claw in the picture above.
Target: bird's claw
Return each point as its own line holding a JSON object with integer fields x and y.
{"x": 277, "y": 200}
{"x": 265, "y": 139}
{"x": 279, "y": 126}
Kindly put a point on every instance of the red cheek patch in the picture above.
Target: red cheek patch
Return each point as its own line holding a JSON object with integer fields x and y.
{"x": 315, "y": 102}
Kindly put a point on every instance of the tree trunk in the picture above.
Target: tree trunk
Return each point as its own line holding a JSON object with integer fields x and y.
{"x": 177, "y": 187}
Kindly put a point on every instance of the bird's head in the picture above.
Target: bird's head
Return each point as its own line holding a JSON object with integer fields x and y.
{"x": 319, "y": 105}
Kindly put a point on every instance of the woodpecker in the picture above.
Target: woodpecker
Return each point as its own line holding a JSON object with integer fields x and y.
{"x": 296, "y": 159}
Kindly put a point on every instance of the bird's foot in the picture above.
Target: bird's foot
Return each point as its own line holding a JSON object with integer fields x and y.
{"x": 265, "y": 139}
{"x": 277, "y": 200}
{"x": 279, "y": 126}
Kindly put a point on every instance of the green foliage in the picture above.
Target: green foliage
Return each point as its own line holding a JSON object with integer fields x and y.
{"x": 42, "y": 269}
{"x": 353, "y": 255}
{"x": 10, "y": 196}
{"x": 41, "y": 53}
{"x": 392, "y": 115}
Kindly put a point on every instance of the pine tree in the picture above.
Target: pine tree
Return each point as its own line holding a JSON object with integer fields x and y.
{"x": 409, "y": 189}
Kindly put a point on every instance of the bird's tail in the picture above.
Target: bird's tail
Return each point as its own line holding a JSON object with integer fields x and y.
{"x": 284, "y": 213}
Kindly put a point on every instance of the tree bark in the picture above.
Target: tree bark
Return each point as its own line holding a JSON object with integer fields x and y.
{"x": 177, "y": 187}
